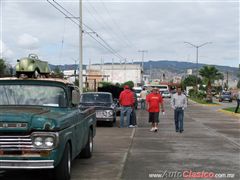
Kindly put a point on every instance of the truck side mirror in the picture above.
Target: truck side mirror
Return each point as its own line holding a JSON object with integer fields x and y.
{"x": 18, "y": 60}
{"x": 75, "y": 97}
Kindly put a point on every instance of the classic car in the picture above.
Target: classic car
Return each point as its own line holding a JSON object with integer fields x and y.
{"x": 32, "y": 66}
{"x": 166, "y": 94}
{"x": 42, "y": 125}
{"x": 226, "y": 96}
{"x": 103, "y": 103}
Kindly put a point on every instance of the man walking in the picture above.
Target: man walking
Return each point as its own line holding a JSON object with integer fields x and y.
{"x": 126, "y": 100}
{"x": 143, "y": 96}
{"x": 154, "y": 100}
{"x": 238, "y": 102}
{"x": 179, "y": 103}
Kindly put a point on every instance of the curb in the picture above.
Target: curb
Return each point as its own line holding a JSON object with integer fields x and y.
{"x": 204, "y": 104}
{"x": 229, "y": 113}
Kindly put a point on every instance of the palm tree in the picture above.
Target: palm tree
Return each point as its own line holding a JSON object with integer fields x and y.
{"x": 210, "y": 73}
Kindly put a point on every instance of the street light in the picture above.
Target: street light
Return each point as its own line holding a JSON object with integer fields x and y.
{"x": 197, "y": 47}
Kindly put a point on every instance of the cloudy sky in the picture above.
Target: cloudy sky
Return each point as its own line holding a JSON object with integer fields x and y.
{"x": 160, "y": 27}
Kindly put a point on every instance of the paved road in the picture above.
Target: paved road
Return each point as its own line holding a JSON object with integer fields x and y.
{"x": 210, "y": 142}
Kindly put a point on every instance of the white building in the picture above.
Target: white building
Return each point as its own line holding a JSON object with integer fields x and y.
{"x": 119, "y": 73}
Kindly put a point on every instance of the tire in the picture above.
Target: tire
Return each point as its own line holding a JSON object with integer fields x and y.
{"x": 88, "y": 149}
{"x": 35, "y": 74}
{"x": 63, "y": 170}
{"x": 110, "y": 123}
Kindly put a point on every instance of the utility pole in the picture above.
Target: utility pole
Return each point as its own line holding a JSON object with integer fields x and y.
{"x": 80, "y": 48}
{"x": 142, "y": 51}
{"x": 227, "y": 80}
{"x": 197, "y": 47}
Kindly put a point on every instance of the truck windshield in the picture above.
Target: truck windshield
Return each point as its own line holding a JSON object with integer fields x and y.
{"x": 33, "y": 95}
{"x": 96, "y": 98}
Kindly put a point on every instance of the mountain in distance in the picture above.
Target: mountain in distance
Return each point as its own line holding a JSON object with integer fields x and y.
{"x": 163, "y": 66}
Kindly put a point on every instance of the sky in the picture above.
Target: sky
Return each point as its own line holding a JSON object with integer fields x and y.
{"x": 160, "y": 27}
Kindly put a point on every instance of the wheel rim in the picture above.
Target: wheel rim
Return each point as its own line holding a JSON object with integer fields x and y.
{"x": 36, "y": 73}
{"x": 69, "y": 163}
{"x": 91, "y": 143}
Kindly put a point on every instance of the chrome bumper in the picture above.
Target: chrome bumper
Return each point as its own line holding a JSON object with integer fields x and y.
{"x": 26, "y": 164}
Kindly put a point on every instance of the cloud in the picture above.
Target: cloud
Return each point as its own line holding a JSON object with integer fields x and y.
{"x": 5, "y": 51}
{"x": 26, "y": 41}
{"x": 159, "y": 27}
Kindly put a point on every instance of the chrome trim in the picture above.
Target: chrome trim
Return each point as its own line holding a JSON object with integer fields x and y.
{"x": 15, "y": 143}
{"x": 26, "y": 164}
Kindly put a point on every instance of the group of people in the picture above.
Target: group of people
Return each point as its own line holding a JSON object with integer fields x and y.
{"x": 153, "y": 103}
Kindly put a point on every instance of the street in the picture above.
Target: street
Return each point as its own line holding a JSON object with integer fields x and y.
{"x": 210, "y": 143}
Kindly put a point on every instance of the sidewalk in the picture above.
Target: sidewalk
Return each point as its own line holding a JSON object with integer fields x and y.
{"x": 210, "y": 142}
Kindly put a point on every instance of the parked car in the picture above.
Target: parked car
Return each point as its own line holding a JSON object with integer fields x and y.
{"x": 42, "y": 126}
{"x": 32, "y": 66}
{"x": 137, "y": 90}
{"x": 225, "y": 96}
{"x": 166, "y": 94}
{"x": 105, "y": 107}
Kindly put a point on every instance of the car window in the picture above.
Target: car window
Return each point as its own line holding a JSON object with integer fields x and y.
{"x": 226, "y": 93}
{"x": 96, "y": 98}
{"x": 33, "y": 95}
{"x": 137, "y": 90}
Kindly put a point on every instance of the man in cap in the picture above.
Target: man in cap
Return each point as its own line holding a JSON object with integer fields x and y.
{"x": 126, "y": 100}
{"x": 154, "y": 100}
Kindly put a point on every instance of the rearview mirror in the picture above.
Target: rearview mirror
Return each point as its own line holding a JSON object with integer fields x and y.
{"x": 75, "y": 97}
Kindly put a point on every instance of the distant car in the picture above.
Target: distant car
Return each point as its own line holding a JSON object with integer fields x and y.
{"x": 166, "y": 94}
{"x": 137, "y": 90}
{"x": 225, "y": 96}
{"x": 105, "y": 107}
{"x": 32, "y": 66}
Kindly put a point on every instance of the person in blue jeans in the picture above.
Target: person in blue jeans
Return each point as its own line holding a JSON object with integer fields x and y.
{"x": 238, "y": 102}
{"x": 126, "y": 100}
{"x": 179, "y": 103}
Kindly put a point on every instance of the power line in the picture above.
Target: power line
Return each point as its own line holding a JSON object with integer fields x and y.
{"x": 103, "y": 26}
{"x": 129, "y": 43}
{"x": 67, "y": 14}
{"x": 90, "y": 33}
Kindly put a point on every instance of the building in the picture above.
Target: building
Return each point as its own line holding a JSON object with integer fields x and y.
{"x": 116, "y": 73}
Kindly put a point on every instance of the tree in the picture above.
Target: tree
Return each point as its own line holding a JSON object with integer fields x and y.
{"x": 129, "y": 83}
{"x": 58, "y": 73}
{"x": 191, "y": 81}
{"x": 238, "y": 75}
{"x": 2, "y": 67}
{"x": 209, "y": 74}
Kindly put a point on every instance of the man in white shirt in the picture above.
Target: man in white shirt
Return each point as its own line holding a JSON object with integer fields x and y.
{"x": 143, "y": 96}
{"x": 179, "y": 103}
{"x": 238, "y": 101}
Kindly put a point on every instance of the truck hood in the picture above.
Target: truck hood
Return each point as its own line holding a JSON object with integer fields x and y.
{"x": 25, "y": 119}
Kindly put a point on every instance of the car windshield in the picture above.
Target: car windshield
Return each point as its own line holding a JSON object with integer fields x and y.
{"x": 226, "y": 93}
{"x": 137, "y": 90}
{"x": 33, "y": 95}
{"x": 96, "y": 98}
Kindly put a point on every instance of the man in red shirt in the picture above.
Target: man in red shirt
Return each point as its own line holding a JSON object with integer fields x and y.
{"x": 154, "y": 100}
{"x": 126, "y": 100}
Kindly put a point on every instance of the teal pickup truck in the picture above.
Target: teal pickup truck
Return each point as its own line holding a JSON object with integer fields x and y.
{"x": 42, "y": 126}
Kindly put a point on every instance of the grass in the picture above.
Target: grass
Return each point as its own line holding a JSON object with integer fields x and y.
{"x": 201, "y": 101}
{"x": 231, "y": 109}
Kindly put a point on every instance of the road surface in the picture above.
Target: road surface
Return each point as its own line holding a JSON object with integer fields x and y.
{"x": 210, "y": 143}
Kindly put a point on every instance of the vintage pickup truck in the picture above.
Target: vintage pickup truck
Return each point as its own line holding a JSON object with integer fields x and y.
{"x": 42, "y": 125}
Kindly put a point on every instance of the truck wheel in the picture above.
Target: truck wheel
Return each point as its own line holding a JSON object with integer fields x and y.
{"x": 63, "y": 170}
{"x": 88, "y": 149}
{"x": 35, "y": 74}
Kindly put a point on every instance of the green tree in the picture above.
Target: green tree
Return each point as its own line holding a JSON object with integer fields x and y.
{"x": 238, "y": 75}
{"x": 191, "y": 81}
{"x": 58, "y": 73}
{"x": 129, "y": 83}
{"x": 2, "y": 67}
{"x": 209, "y": 74}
